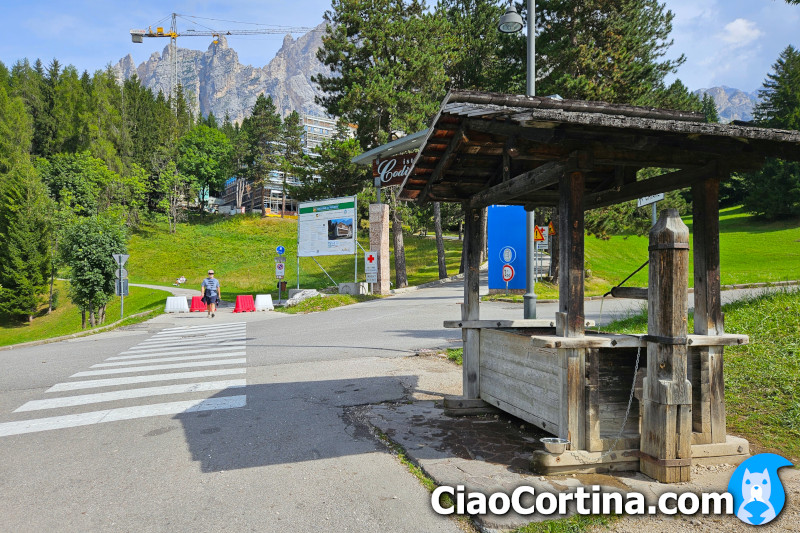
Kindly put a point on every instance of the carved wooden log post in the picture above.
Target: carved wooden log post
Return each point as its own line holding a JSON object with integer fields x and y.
{"x": 570, "y": 321}
{"x": 666, "y": 437}
{"x": 709, "y": 401}
{"x": 471, "y": 308}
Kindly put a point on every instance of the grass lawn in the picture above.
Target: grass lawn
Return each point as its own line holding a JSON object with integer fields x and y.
{"x": 323, "y": 303}
{"x": 762, "y": 379}
{"x": 242, "y": 249}
{"x": 751, "y": 251}
{"x": 66, "y": 318}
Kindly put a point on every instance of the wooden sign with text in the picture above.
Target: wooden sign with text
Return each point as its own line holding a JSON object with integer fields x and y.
{"x": 392, "y": 170}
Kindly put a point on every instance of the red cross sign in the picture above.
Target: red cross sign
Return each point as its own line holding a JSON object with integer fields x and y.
{"x": 371, "y": 262}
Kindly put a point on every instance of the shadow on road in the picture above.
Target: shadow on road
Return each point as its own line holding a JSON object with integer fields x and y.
{"x": 288, "y": 423}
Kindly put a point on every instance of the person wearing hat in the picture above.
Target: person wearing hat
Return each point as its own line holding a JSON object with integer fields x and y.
{"x": 211, "y": 292}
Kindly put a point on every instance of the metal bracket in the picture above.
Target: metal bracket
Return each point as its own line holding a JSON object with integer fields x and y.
{"x": 663, "y": 462}
{"x": 678, "y": 341}
{"x": 669, "y": 246}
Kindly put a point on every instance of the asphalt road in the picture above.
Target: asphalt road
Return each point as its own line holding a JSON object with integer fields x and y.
{"x": 236, "y": 423}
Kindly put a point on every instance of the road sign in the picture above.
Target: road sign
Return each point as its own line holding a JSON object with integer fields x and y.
{"x": 647, "y": 200}
{"x": 280, "y": 259}
{"x": 279, "y": 270}
{"x": 372, "y": 278}
{"x": 508, "y": 254}
{"x": 281, "y": 250}
{"x": 538, "y": 234}
{"x": 541, "y": 245}
{"x": 551, "y": 230}
{"x": 371, "y": 263}
{"x": 122, "y": 273}
{"x": 508, "y": 273}
{"x": 120, "y": 258}
{"x": 121, "y": 287}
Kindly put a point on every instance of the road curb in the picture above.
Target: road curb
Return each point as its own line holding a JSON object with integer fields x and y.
{"x": 73, "y": 335}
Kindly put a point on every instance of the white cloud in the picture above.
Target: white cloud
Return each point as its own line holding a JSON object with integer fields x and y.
{"x": 740, "y": 32}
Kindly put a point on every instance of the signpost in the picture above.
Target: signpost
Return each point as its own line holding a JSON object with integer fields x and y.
{"x": 121, "y": 284}
{"x": 647, "y": 200}
{"x": 280, "y": 269}
{"x": 371, "y": 263}
{"x": 508, "y": 275}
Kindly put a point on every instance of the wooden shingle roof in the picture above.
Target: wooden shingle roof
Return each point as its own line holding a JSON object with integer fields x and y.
{"x": 497, "y": 148}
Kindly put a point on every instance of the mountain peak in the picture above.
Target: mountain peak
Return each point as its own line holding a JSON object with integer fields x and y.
{"x": 215, "y": 81}
{"x": 732, "y": 104}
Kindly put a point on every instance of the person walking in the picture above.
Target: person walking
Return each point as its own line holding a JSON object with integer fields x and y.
{"x": 211, "y": 292}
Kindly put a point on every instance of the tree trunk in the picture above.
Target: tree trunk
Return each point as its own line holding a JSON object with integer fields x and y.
{"x": 554, "y": 249}
{"x": 102, "y": 315}
{"x": 283, "y": 196}
{"x": 437, "y": 225}
{"x": 92, "y": 322}
{"x": 83, "y": 318}
{"x": 50, "y": 299}
{"x": 401, "y": 280}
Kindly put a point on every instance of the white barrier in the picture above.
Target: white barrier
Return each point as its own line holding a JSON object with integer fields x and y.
{"x": 176, "y": 304}
{"x": 264, "y": 302}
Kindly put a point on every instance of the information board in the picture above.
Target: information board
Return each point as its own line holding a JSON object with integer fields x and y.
{"x": 327, "y": 227}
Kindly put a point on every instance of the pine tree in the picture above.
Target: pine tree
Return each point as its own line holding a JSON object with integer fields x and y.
{"x": 291, "y": 157}
{"x": 263, "y": 135}
{"x": 709, "y": 108}
{"x": 24, "y": 215}
{"x": 774, "y": 191}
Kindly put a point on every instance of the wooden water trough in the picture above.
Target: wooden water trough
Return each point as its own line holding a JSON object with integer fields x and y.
{"x": 484, "y": 149}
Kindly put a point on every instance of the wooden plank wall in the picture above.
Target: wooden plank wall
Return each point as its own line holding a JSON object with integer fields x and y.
{"x": 609, "y": 375}
{"x": 519, "y": 378}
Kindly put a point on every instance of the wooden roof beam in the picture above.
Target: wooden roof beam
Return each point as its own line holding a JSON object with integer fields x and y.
{"x": 671, "y": 181}
{"x": 449, "y": 153}
{"x": 538, "y": 178}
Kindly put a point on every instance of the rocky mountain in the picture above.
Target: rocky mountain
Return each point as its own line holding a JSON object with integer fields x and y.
{"x": 216, "y": 82}
{"x": 732, "y": 104}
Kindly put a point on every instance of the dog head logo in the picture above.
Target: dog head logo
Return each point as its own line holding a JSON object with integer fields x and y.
{"x": 758, "y": 495}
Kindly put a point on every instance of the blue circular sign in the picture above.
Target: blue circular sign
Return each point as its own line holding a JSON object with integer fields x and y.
{"x": 507, "y": 254}
{"x": 280, "y": 250}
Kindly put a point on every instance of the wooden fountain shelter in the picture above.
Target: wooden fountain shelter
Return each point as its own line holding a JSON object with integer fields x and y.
{"x": 484, "y": 149}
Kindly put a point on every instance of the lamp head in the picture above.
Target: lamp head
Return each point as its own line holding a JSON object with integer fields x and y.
{"x": 511, "y": 22}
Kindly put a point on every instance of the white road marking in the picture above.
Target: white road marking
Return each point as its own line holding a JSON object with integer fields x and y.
{"x": 148, "y": 368}
{"x": 178, "y": 344}
{"x": 122, "y": 413}
{"x": 110, "y": 382}
{"x": 84, "y": 399}
{"x": 196, "y": 335}
{"x": 204, "y": 326}
{"x": 167, "y": 359}
{"x": 170, "y": 351}
{"x": 199, "y": 332}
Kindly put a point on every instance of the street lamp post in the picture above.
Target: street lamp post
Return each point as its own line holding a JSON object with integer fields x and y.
{"x": 511, "y": 22}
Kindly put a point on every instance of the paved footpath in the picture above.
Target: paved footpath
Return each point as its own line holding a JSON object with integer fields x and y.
{"x": 236, "y": 423}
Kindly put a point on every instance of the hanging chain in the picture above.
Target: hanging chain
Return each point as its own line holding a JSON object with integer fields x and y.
{"x": 628, "y": 410}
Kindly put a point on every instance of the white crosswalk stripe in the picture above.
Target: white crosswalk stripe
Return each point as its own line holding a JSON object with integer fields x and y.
{"x": 157, "y": 359}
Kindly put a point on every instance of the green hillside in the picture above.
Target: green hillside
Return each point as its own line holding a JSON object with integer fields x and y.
{"x": 242, "y": 249}
{"x": 66, "y": 318}
{"x": 751, "y": 251}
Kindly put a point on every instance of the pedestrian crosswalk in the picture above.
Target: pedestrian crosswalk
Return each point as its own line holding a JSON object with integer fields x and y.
{"x": 206, "y": 363}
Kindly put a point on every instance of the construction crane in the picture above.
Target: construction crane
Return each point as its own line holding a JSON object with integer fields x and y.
{"x": 137, "y": 36}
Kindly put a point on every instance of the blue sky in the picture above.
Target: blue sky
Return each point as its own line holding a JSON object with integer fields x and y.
{"x": 726, "y": 42}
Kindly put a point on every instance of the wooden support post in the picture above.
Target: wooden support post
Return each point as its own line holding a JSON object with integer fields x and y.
{"x": 471, "y": 308}
{"x": 666, "y": 435}
{"x": 570, "y": 235}
{"x": 708, "y": 319}
{"x": 572, "y": 408}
